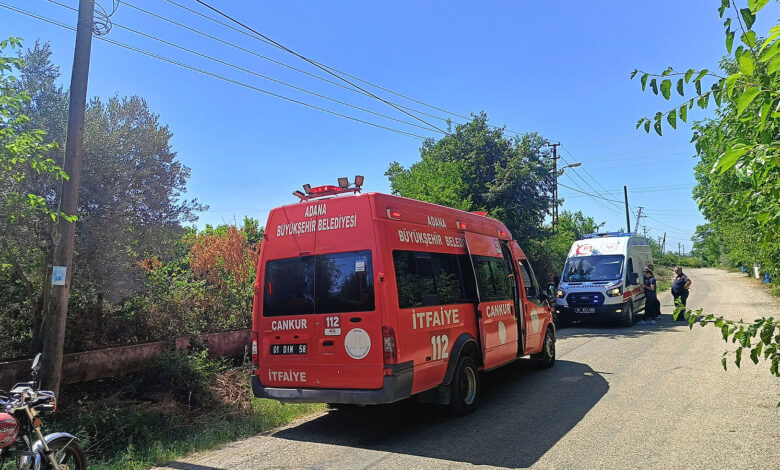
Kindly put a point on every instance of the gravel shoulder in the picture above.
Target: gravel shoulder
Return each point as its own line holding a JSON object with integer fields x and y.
{"x": 648, "y": 396}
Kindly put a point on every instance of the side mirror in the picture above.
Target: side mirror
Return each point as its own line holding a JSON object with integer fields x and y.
{"x": 36, "y": 364}
{"x": 551, "y": 290}
{"x": 634, "y": 278}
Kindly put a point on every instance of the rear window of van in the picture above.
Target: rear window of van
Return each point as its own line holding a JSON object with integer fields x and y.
{"x": 330, "y": 283}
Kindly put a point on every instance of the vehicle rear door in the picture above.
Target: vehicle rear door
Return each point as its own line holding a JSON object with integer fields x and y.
{"x": 496, "y": 309}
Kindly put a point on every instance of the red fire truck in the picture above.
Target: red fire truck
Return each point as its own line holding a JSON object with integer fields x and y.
{"x": 372, "y": 298}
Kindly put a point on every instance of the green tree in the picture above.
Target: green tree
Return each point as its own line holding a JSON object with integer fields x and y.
{"x": 706, "y": 244}
{"x": 738, "y": 174}
{"x": 477, "y": 168}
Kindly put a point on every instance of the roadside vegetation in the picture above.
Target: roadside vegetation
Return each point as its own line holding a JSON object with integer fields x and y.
{"x": 738, "y": 173}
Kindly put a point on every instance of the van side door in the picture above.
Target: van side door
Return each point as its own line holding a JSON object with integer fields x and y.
{"x": 496, "y": 308}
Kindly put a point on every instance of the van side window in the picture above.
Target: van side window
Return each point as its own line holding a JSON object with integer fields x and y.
{"x": 492, "y": 278}
{"x": 529, "y": 280}
{"x": 424, "y": 279}
{"x": 629, "y": 270}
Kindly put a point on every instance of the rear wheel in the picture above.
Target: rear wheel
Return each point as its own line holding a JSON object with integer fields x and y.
{"x": 546, "y": 358}
{"x": 465, "y": 387}
{"x": 628, "y": 315}
{"x": 68, "y": 454}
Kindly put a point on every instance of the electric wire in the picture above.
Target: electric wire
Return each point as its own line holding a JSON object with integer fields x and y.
{"x": 211, "y": 74}
{"x": 325, "y": 69}
{"x": 251, "y": 72}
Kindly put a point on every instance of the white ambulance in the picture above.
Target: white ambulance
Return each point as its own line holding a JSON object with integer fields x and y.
{"x": 602, "y": 278}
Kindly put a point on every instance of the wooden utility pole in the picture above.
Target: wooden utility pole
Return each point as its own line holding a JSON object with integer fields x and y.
{"x": 62, "y": 274}
{"x": 555, "y": 188}
{"x": 663, "y": 244}
{"x": 628, "y": 217}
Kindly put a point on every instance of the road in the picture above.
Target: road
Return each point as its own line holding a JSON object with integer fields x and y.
{"x": 649, "y": 396}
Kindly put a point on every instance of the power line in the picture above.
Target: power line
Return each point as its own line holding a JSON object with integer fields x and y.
{"x": 251, "y": 72}
{"x": 588, "y": 173}
{"x": 213, "y": 75}
{"x": 325, "y": 69}
{"x": 589, "y": 194}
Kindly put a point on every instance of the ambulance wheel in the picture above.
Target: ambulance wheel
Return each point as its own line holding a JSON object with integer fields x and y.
{"x": 628, "y": 316}
{"x": 546, "y": 358}
{"x": 465, "y": 387}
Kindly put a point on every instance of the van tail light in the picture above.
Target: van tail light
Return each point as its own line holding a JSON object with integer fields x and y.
{"x": 255, "y": 350}
{"x": 461, "y": 225}
{"x": 393, "y": 214}
{"x": 390, "y": 350}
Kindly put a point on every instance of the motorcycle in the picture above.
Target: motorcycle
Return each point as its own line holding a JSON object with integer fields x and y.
{"x": 21, "y": 437}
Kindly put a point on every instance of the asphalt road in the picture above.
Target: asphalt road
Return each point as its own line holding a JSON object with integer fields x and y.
{"x": 649, "y": 396}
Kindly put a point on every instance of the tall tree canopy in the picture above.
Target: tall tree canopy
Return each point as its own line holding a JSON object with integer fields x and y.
{"x": 477, "y": 168}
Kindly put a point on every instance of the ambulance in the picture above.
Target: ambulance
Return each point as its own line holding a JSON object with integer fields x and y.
{"x": 602, "y": 278}
{"x": 373, "y": 298}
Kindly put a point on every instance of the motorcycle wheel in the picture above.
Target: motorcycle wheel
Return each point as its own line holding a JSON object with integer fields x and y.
{"x": 67, "y": 452}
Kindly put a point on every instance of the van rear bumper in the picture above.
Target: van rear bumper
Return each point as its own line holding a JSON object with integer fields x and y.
{"x": 397, "y": 386}
{"x": 603, "y": 312}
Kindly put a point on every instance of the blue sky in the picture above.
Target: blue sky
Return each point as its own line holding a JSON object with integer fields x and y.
{"x": 558, "y": 68}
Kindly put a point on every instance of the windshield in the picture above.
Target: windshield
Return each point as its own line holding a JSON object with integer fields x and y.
{"x": 332, "y": 283}
{"x": 593, "y": 268}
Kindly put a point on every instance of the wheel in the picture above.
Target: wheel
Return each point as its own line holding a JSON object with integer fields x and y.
{"x": 465, "y": 387}
{"x": 68, "y": 453}
{"x": 546, "y": 358}
{"x": 628, "y": 317}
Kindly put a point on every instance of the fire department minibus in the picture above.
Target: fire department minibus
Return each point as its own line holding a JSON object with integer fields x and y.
{"x": 372, "y": 298}
{"x": 602, "y": 278}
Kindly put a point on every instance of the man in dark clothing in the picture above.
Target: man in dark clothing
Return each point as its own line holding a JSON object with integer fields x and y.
{"x": 680, "y": 287}
{"x": 652, "y": 306}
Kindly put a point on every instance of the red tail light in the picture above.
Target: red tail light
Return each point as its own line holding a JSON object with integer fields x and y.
{"x": 390, "y": 350}
{"x": 255, "y": 350}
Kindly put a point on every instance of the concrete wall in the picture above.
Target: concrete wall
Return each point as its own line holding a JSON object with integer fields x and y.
{"x": 112, "y": 362}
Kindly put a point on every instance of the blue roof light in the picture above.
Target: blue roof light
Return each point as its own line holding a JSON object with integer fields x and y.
{"x": 609, "y": 234}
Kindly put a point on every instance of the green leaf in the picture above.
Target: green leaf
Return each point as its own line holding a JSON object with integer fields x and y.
{"x": 671, "y": 118}
{"x": 680, "y": 87}
{"x": 729, "y": 84}
{"x": 774, "y": 33}
{"x": 633, "y": 74}
{"x": 667, "y": 72}
{"x": 772, "y": 51}
{"x": 647, "y": 126}
{"x": 729, "y": 40}
{"x": 697, "y": 84}
{"x": 746, "y": 64}
{"x": 688, "y": 75}
{"x": 774, "y": 65}
{"x": 746, "y": 98}
{"x": 666, "y": 89}
{"x": 756, "y": 5}
{"x": 722, "y": 8}
{"x": 764, "y": 112}
{"x": 702, "y": 74}
{"x": 684, "y": 113}
{"x": 723, "y": 362}
{"x": 728, "y": 160}
{"x": 748, "y": 17}
{"x": 639, "y": 123}
{"x": 654, "y": 86}
{"x": 749, "y": 38}
{"x": 644, "y": 81}
{"x": 657, "y": 127}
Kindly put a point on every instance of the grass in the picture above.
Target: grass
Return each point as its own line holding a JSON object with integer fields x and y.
{"x": 663, "y": 278}
{"x": 182, "y": 404}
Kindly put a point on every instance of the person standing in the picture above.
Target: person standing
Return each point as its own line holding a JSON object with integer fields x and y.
{"x": 652, "y": 306}
{"x": 680, "y": 287}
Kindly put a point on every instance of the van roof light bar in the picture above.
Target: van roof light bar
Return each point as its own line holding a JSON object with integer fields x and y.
{"x": 609, "y": 234}
{"x": 329, "y": 190}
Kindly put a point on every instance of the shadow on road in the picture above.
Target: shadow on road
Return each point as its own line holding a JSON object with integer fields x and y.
{"x": 665, "y": 324}
{"x": 522, "y": 414}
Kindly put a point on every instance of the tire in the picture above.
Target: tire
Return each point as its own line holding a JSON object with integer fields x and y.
{"x": 546, "y": 358}
{"x": 464, "y": 390}
{"x": 67, "y": 452}
{"x": 628, "y": 317}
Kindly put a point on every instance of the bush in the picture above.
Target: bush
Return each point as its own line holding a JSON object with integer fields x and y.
{"x": 186, "y": 376}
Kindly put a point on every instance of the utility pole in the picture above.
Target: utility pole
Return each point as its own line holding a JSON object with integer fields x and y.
{"x": 57, "y": 312}
{"x": 555, "y": 188}
{"x": 628, "y": 217}
{"x": 679, "y": 249}
{"x": 663, "y": 244}
{"x": 638, "y": 217}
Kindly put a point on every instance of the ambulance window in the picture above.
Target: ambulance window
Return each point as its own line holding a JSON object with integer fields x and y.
{"x": 425, "y": 279}
{"x": 344, "y": 282}
{"x": 492, "y": 278}
{"x": 289, "y": 287}
{"x": 629, "y": 270}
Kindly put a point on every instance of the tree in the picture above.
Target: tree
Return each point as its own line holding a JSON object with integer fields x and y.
{"x": 477, "y": 168}
{"x": 706, "y": 244}
{"x": 739, "y": 150}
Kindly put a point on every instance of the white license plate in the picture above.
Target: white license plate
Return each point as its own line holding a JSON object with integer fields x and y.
{"x": 585, "y": 310}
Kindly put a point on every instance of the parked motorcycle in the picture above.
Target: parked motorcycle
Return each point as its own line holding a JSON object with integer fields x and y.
{"x": 21, "y": 437}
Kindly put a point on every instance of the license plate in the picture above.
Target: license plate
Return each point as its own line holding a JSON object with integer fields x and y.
{"x": 585, "y": 310}
{"x": 282, "y": 349}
